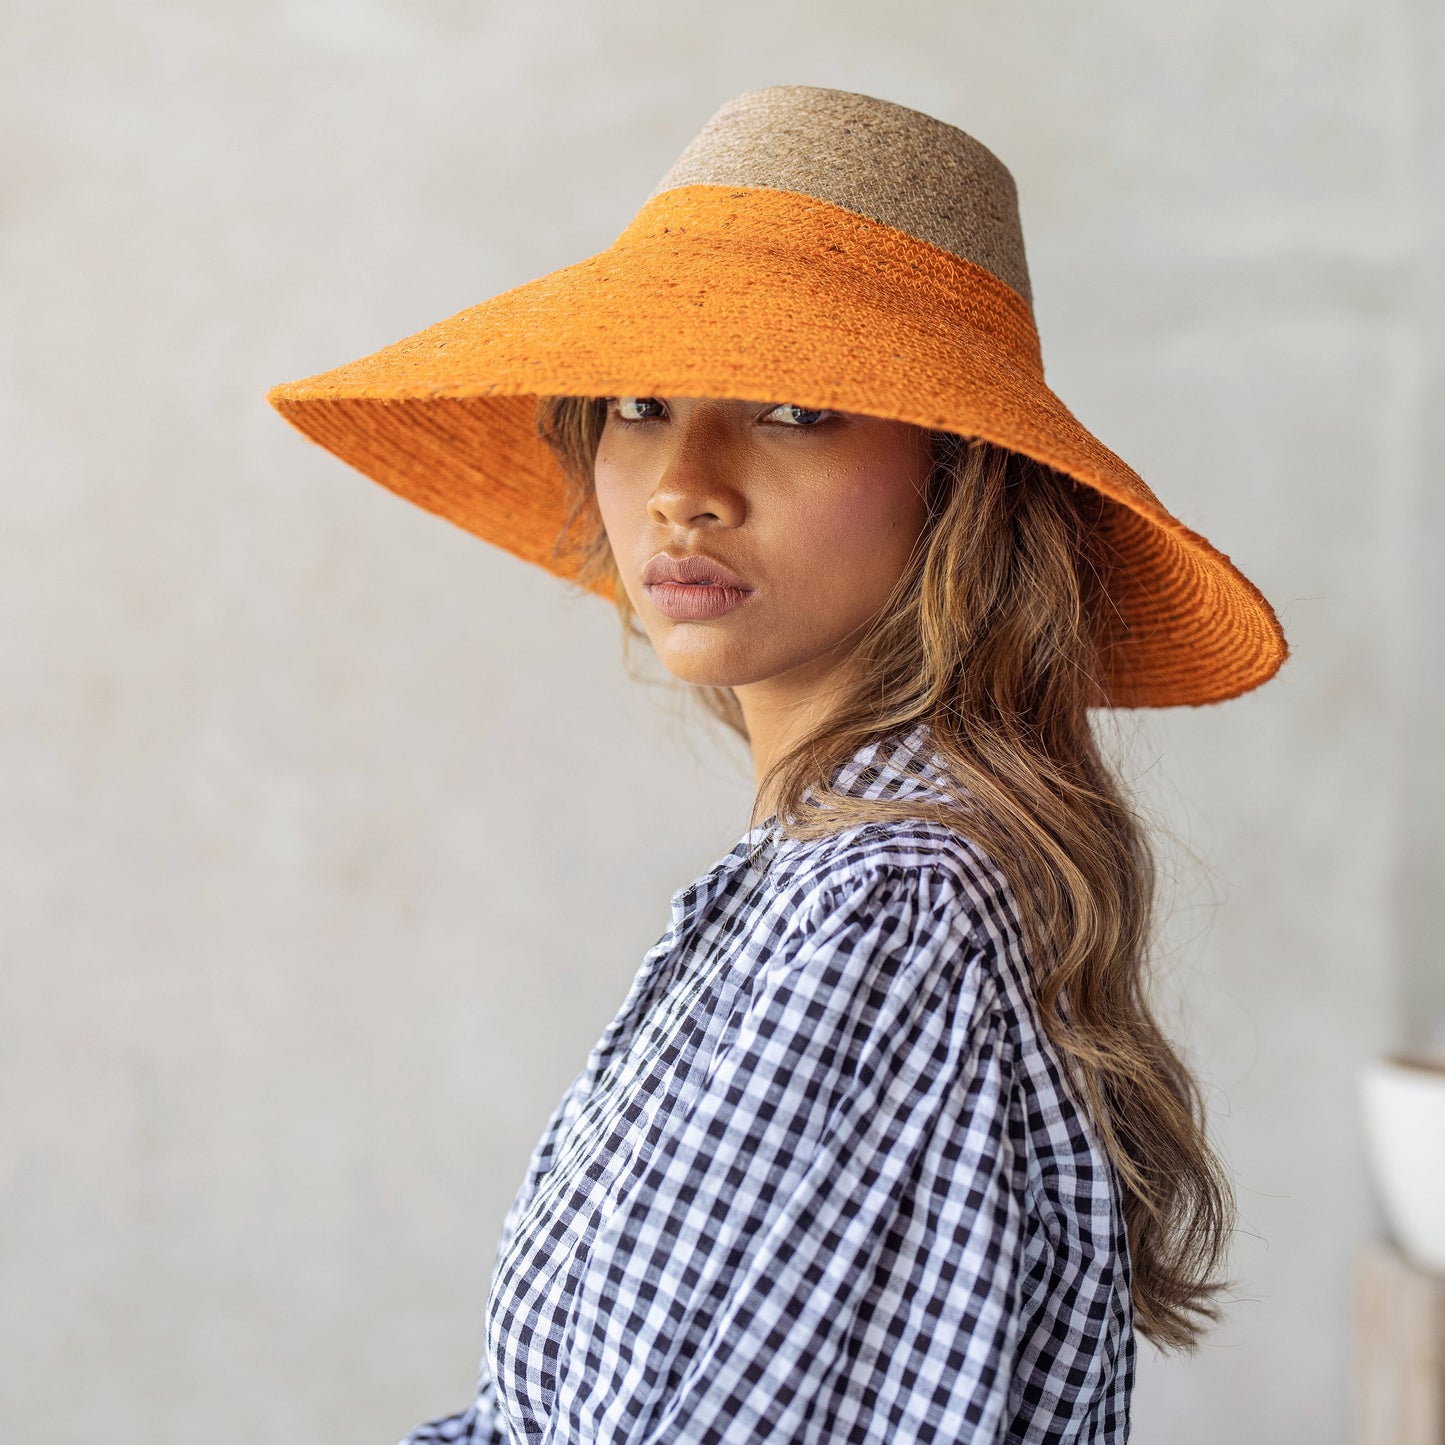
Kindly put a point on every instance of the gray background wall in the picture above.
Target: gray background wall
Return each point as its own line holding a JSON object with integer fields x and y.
{"x": 332, "y": 838}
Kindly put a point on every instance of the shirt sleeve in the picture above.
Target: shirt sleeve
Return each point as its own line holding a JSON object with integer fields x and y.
{"x": 826, "y": 1242}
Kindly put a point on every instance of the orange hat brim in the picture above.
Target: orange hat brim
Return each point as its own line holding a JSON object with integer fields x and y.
{"x": 768, "y": 295}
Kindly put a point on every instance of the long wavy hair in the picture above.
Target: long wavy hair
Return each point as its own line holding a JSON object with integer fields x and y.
{"x": 995, "y": 636}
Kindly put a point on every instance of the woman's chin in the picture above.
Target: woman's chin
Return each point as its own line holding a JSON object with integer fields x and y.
{"x": 706, "y": 662}
{"x": 700, "y": 674}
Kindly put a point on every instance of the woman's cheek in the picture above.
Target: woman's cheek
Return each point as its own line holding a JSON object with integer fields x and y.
{"x": 856, "y": 539}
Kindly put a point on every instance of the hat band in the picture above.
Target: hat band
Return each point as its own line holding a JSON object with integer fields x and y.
{"x": 830, "y": 243}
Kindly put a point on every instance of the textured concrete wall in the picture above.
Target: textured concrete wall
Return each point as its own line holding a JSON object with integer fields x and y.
{"x": 1421, "y": 877}
{"x": 331, "y": 839}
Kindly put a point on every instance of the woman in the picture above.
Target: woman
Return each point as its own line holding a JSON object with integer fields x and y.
{"x": 884, "y": 1143}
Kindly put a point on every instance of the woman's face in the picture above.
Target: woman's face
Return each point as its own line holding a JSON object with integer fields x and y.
{"x": 815, "y": 512}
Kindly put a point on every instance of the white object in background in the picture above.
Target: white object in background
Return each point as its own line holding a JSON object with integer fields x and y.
{"x": 1404, "y": 1107}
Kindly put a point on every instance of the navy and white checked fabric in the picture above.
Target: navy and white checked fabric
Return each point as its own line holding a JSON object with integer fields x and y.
{"x": 822, "y": 1179}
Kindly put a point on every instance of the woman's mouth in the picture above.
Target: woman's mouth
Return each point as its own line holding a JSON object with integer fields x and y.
{"x": 695, "y": 601}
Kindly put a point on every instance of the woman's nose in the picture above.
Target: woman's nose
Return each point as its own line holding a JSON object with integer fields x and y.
{"x": 698, "y": 477}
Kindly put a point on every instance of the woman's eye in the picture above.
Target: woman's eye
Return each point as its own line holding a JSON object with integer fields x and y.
{"x": 651, "y": 408}
{"x": 634, "y": 408}
{"x": 798, "y": 416}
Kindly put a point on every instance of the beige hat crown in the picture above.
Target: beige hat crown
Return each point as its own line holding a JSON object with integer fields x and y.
{"x": 894, "y": 165}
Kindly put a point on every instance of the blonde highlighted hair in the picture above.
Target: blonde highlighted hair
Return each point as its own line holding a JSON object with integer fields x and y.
{"x": 993, "y": 637}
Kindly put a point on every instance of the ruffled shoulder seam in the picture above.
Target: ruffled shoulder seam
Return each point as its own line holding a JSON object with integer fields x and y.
{"x": 932, "y": 885}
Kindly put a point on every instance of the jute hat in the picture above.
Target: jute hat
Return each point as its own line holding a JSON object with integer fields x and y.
{"x": 812, "y": 246}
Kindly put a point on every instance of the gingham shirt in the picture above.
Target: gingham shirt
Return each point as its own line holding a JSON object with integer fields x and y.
{"x": 821, "y": 1180}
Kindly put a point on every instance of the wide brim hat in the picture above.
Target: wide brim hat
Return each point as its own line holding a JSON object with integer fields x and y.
{"x": 811, "y": 246}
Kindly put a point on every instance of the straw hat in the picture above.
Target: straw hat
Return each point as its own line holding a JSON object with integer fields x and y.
{"x": 813, "y": 246}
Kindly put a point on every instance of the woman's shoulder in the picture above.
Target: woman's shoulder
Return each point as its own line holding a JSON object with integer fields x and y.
{"x": 935, "y": 867}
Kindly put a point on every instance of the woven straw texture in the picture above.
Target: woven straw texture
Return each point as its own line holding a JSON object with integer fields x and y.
{"x": 766, "y": 290}
{"x": 884, "y": 161}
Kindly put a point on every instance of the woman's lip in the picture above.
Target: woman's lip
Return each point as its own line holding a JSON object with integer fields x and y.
{"x": 695, "y": 601}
